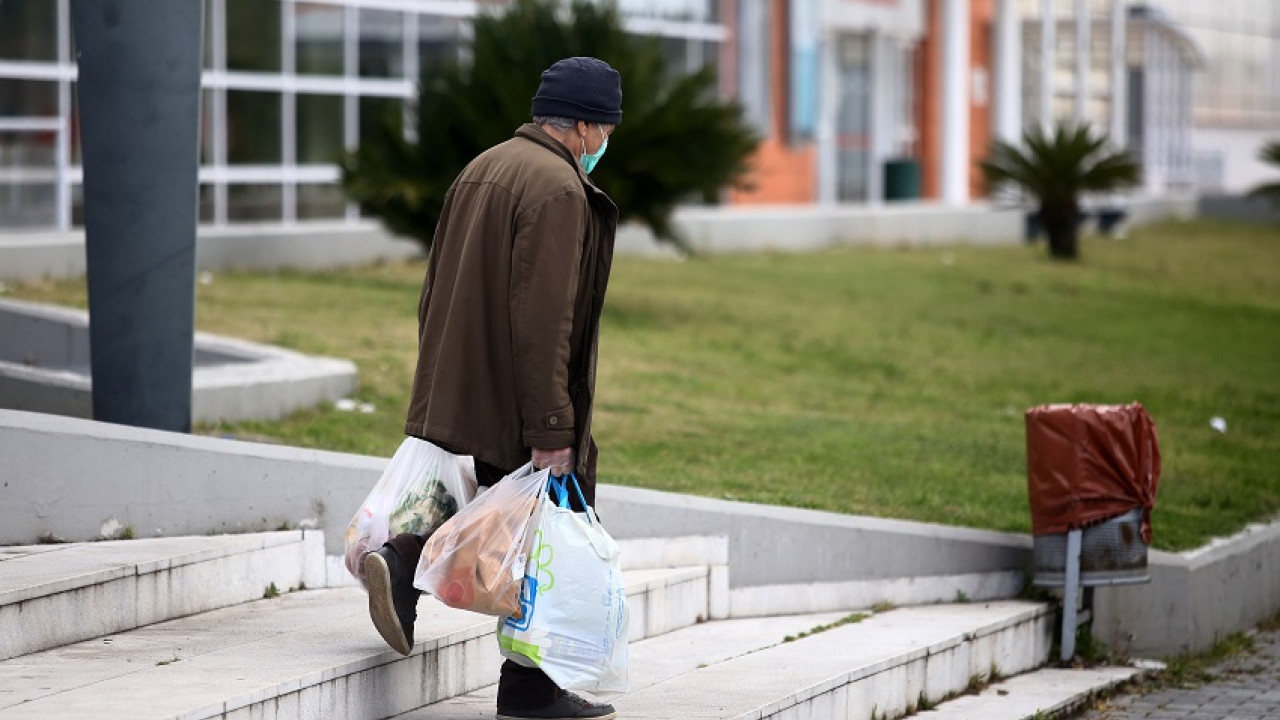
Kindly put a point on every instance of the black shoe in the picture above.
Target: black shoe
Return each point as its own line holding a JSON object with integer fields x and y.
{"x": 567, "y": 707}
{"x": 393, "y": 600}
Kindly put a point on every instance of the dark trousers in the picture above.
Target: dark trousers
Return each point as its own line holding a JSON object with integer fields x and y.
{"x": 519, "y": 687}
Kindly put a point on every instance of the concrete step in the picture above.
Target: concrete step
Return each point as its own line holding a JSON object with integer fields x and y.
{"x": 661, "y": 658}
{"x": 1040, "y": 695}
{"x": 310, "y": 654}
{"x": 888, "y": 664}
{"x": 884, "y": 665}
{"x": 53, "y": 595}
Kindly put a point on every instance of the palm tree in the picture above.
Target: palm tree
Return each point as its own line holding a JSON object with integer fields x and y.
{"x": 1270, "y": 154}
{"x": 1056, "y": 167}
{"x": 678, "y": 140}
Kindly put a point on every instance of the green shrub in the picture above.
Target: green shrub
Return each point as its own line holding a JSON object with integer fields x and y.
{"x": 1056, "y": 167}
{"x": 678, "y": 141}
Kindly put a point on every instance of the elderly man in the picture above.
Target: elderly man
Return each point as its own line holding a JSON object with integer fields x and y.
{"x": 508, "y": 326}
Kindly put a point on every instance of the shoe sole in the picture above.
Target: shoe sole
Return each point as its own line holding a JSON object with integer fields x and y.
{"x": 609, "y": 716}
{"x": 382, "y": 609}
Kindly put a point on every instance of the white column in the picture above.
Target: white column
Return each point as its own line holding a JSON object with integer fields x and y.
{"x": 828, "y": 105}
{"x": 1084, "y": 60}
{"x": 1008, "y": 72}
{"x": 955, "y": 102}
{"x": 879, "y": 125}
{"x": 1048, "y": 60}
{"x": 1119, "y": 75}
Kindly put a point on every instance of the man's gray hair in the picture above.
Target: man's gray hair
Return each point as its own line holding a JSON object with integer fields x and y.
{"x": 563, "y": 123}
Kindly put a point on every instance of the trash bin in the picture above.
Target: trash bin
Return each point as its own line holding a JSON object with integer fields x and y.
{"x": 1093, "y": 468}
{"x": 1111, "y": 553}
{"x": 901, "y": 179}
{"x": 1092, "y": 472}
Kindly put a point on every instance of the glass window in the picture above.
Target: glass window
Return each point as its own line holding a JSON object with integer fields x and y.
{"x": 77, "y": 205}
{"x": 677, "y": 53}
{"x": 206, "y": 127}
{"x": 253, "y": 35}
{"x": 28, "y": 149}
{"x": 26, "y": 206}
{"x": 28, "y": 98}
{"x": 319, "y": 128}
{"x": 252, "y": 203}
{"x": 375, "y": 112}
{"x": 208, "y": 35}
{"x": 853, "y": 121}
{"x": 206, "y": 203}
{"x": 381, "y": 43}
{"x": 75, "y": 127}
{"x": 320, "y": 31}
{"x": 29, "y": 30}
{"x": 439, "y": 41}
{"x": 253, "y": 128}
{"x": 321, "y": 202}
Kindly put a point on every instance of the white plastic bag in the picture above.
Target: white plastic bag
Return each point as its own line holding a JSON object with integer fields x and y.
{"x": 476, "y": 560}
{"x": 574, "y": 621}
{"x": 421, "y": 487}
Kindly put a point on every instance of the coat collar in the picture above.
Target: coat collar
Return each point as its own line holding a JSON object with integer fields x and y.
{"x": 530, "y": 131}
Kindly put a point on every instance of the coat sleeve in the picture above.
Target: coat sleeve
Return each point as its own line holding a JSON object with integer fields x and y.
{"x": 545, "y": 262}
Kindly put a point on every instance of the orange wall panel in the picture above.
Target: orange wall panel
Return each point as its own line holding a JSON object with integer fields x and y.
{"x": 781, "y": 175}
{"x": 982, "y": 15}
{"x": 928, "y": 100}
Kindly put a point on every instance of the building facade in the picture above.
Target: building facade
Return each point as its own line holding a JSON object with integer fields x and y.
{"x": 857, "y": 101}
{"x": 1236, "y": 106}
{"x": 288, "y": 84}
{"x": 830, "y": 85}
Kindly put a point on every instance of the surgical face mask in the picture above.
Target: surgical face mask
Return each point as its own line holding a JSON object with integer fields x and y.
{"x": 589, "y": 160}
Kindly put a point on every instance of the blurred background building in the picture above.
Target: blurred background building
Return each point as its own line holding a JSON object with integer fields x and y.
{"x": 287, "y": 85}
{"x": 858, "y": 101}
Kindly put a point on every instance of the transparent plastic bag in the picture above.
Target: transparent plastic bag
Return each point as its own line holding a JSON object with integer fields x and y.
{"x": 575, "y": 619}
{"x": 421, "y": 487}
{"x": 476, "y": 560}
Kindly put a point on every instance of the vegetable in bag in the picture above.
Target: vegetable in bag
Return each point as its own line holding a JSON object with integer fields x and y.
{"x": 476, "y": 560}
{"x": 421, "y": 487}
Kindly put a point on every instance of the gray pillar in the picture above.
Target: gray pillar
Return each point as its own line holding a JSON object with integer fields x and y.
{"x": 139, "y": 93}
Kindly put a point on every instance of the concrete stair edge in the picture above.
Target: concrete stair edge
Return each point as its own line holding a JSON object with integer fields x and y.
{"x": 936, "y": 654}
{"x": 1041, "y": 694}
{"x": 454, "y": 662}
{"x": 939, "y": 649}
{"x": 107, "y": 588}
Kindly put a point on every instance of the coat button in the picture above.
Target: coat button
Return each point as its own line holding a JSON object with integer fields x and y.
{"x": 553, "y": 420}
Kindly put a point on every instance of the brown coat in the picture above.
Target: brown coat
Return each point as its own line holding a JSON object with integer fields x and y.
{"x": 508, "y": 320}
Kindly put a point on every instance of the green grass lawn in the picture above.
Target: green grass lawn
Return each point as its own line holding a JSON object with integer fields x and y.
{"x": 873, "y": 381}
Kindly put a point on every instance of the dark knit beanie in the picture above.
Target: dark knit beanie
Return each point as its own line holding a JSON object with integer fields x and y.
{"x": 580, "y": 88}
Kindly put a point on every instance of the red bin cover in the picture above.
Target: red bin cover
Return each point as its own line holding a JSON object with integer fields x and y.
{"x": 1089, "y": 463}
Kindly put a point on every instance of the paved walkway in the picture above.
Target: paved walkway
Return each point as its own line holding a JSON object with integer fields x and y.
{"x": 1246, "y": 687}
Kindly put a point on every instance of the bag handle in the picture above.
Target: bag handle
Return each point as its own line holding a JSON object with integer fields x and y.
{"x": 560, "y": 483}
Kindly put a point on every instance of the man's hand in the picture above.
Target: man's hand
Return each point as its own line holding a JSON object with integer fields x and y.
{"x": 560, "y": 460}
